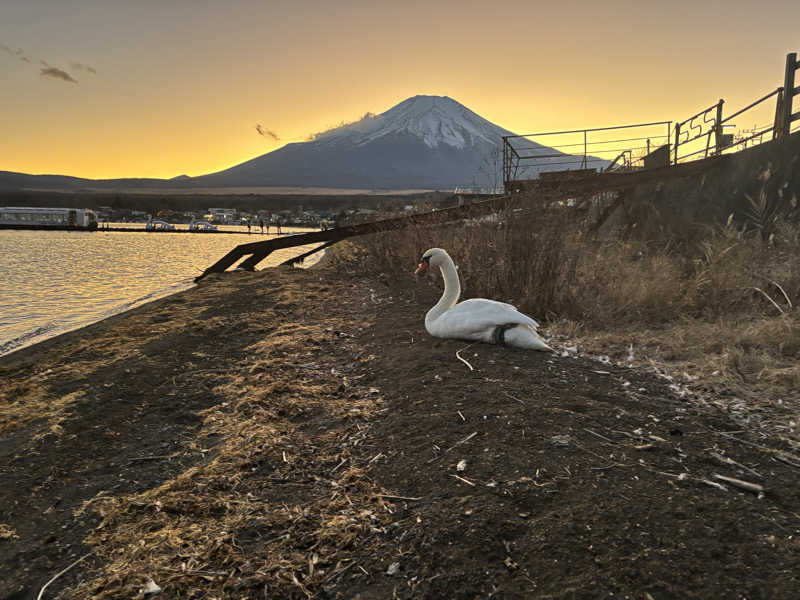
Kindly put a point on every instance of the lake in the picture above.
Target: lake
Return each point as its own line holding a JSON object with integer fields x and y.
{"x": 57, "y": 281}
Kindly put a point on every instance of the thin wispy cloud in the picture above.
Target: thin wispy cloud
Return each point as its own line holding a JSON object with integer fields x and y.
{"x": 48, "y": 70}
{"x": 76, "y": 66}
{"x": 19, "y": 53}
{"x": 55, "y": 73}
{"x": 267, "y": 133}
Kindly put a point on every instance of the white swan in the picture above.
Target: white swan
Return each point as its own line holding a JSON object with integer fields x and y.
{"x": 477, "y": 319}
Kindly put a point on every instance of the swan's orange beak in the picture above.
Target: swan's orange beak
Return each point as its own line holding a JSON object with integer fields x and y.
{"x": 421, "y": 268}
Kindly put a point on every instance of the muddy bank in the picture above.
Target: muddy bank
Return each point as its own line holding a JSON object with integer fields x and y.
{"x": 294, "y": 434}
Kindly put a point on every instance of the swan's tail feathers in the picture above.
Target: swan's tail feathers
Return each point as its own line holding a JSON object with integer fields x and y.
{"x": 522, "y": 336}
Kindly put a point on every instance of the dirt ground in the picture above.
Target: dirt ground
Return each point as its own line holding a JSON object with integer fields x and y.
{"x": 297, "y": 434}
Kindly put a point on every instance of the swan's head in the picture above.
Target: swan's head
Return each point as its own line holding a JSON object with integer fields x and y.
{"x": 432, "y": 258}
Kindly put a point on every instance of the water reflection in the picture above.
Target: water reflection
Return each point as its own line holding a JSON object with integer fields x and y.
{"x": 55, "y": 281}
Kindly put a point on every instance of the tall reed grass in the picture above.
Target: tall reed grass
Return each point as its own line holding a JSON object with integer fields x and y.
{"x": 722, "y": 300}
{"x": 546, "y": 263}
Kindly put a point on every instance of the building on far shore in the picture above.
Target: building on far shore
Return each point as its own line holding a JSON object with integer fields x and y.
{"x": 222, "y": 215}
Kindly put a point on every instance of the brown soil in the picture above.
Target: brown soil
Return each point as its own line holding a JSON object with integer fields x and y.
{"x": 293, "y": 434}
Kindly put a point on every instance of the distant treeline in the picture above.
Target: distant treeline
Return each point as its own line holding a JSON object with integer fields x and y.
{"x": 251, "y": 202}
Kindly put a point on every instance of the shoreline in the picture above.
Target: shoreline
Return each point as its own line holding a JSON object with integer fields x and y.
{"x": 249, "y": 424}
{"x": 79, "y": 328}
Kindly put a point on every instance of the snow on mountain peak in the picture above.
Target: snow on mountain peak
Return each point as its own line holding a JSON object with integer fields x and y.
{"x": 434, "y": 119}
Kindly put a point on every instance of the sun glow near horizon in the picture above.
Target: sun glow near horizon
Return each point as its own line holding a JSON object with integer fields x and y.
{"x": 193, "y": 87}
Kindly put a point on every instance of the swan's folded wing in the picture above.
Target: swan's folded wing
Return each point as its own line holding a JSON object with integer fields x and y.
{"x": 479, "y": 315}
{"x": 487, "y": 303}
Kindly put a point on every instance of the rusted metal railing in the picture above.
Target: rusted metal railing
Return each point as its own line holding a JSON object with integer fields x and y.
{"x": 598, "y": 149}
{"x": 704, "y": 135}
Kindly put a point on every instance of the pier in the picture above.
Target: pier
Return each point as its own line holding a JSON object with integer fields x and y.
{"x": 142, "y": 230}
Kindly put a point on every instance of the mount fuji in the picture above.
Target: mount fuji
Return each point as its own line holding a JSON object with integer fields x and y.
{"x": 424, "y": 142}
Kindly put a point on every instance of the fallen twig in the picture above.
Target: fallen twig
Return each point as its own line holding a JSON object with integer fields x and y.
{"x": 785, "y": 295}
{"x": 59, "y": 574}
{"x": 142, "y": 458}
{"x": 462, "y": 359}
{"x": 514, "y": 398}
{"x": 200, "y": 572}
{"x": 783, "y": 459}
{"x": 730, "y": 461}
{"x": 392, "y": 496}
{"x": 745, "y": 485}
{"x": 465, "y": 440}
{"x": 339, "y": 571}
{"x": 775, "y": 304}
{"x": 602, "y": 437}
{"x": 344, "y": 460}
{"x": 774, "y": 451}
{"x": 713, "y": 484}
{"x": 467, "y": 481}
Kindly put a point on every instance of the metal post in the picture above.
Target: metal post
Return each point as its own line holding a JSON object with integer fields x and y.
{"x": 669, "y": 129}
{"x": 718, "y": 129}
{"x": 677, "y": 135}
{"x": 777, "y": 127}
{"x": 506, "y": 163}
{"x": 788, "y": 92}
{"x": 583, "y": 166}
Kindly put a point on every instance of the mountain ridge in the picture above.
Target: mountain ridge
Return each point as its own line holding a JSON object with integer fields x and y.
{"x": 423, "y": 142}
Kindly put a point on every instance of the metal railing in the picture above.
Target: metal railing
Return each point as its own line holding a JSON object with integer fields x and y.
{"x": 711, "y": 132}
{"x": 599, "y": 148}
{"x": 703, "y": 135}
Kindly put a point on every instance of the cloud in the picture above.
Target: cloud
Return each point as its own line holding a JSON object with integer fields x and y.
{"x": 76, "y": 66}
{"x": 18, "y": 53}
{"x": 267, "y": 133}
{"x": 57, "y": 74}
{"x": 49, "y": 71}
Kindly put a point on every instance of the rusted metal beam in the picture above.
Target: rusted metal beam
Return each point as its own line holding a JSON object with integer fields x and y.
{"x": 304, "y": 255}
{"x": 550, "y": 189}
{"x": 258, "y": 251}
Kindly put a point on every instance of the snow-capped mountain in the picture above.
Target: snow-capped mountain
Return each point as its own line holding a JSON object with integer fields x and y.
{"x": 424, "y": 142}
{"x": 433, "y": 119}
{"x": 430, "y": 142}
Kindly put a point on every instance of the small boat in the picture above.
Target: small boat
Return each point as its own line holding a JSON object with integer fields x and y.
{"x": 201, "y": 226}
{"x": 156, "y": 225}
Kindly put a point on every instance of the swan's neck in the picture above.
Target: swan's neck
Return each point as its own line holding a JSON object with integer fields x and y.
{"x": 452, "y": 290}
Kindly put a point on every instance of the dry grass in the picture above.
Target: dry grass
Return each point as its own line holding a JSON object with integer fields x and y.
{"x": 721, "y": 306}
{"x": 24, "y": 402}
{"x": 279, "y": 504}
{"x": 7, "y": 532}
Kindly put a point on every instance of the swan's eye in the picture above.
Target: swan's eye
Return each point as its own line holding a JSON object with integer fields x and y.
{"x": 427, "y": 259}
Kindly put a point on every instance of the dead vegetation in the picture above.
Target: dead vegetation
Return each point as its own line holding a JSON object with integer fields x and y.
{"x": 342, "y": 452}
{"x": 280, "y": 503}
{"x": 717, "y": 310}
{"x": 339, "y": 451}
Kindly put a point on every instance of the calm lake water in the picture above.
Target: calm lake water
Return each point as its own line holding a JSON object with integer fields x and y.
{"x": 56, "y": 281}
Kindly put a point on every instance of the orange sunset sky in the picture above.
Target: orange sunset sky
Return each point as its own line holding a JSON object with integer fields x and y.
{"x": 146, "y": 88}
